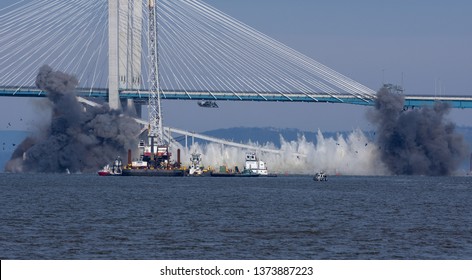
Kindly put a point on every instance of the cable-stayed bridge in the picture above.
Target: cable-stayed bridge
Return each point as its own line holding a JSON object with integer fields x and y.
{"x": 204, "y": 54}
{"x": 142, "y": 96}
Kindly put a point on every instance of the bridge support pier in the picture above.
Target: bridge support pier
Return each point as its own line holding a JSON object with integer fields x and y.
{"x": 131, "y": 108}
{"x": 186, "y": 144}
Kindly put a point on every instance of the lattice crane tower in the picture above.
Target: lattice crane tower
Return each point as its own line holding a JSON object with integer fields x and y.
{"x": 155, "y": 121}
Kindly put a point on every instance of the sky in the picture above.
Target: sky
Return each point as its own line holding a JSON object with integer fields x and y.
{"x": 424, "y": 45}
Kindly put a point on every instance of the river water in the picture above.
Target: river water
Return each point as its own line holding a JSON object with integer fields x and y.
{"x": 84, "y": 216}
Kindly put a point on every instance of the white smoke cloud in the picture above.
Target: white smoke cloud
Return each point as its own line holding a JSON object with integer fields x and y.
{"x": 353, "y": 155}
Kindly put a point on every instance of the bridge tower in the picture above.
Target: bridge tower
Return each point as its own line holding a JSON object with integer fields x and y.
{"x": 125, "y": 20}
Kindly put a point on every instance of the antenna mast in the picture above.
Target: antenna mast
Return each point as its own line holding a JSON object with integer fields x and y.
{"x": 154, "y": 107}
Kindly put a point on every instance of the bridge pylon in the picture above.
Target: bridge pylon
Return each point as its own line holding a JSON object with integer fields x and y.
{"x": 125, "y": 20}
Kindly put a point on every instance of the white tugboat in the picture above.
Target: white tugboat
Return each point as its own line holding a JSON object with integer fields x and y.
{"x": 254, "y": 165}
{"x": 196, "y": 167}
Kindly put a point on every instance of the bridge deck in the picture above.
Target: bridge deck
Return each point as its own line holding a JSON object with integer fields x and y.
{"x": 142, "y": 96}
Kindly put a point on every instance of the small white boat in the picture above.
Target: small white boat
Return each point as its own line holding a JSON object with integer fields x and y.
{"x": 320, "y": 176}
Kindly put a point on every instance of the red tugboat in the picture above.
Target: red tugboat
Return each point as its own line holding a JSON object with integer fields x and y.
{"x": 116, "y": 169}
{"x": 105, "y": 171}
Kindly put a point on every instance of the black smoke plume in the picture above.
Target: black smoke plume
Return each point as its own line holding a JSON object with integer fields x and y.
{"x": 78, "y": 138}
{"x": 419, "y": 141}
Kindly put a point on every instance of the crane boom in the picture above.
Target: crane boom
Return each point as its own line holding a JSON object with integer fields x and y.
{"x": 155, "y": 119}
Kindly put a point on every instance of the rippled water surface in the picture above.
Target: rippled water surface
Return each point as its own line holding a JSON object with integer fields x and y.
{"x": 90, "y": 217}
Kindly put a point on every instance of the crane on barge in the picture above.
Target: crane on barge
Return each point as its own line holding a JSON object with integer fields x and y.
{"x": 155, "y": 158}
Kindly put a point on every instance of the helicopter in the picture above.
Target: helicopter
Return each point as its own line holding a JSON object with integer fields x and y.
{"x": 207, "y": 104}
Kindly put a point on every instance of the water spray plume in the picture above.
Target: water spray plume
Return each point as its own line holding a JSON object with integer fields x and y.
{"x": 350, "y": 155}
